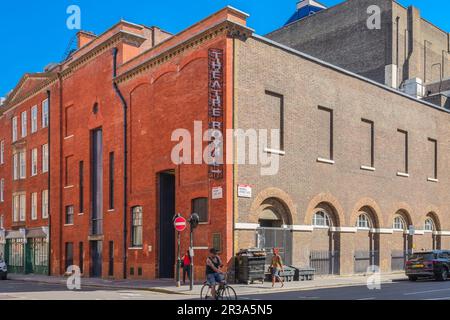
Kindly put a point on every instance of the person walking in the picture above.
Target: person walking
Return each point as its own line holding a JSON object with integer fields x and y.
{"x": 276, "y": 267}
{"x": 186, "y": 266}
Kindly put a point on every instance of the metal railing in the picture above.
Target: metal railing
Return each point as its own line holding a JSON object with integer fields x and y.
{"x": 324, "y": 262}
{"x": 363, "y": 259}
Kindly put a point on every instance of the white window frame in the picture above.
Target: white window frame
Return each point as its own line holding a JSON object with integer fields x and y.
{"x": 23, "y": 165}
{"x": 2, "y": 152}
{"x": 34, "y": 119}
{"x": 15, "y": 166}
{"x": 429, "y": 222}
{"x": 399, "y": 220}
{"x": 34, "y": 206}
{"x": 16, "y": 208}
{"x": 2, "y": 222}
{"x": 14, "y": 129}
{"x": 34, "y": 162}
{"x": 326, "y": 219}
{"x": 24, "y": 124}
{"x": 2, "y": 190}
{"x": 363, "y": 222}
{"x": 44, "y": 204}
{"x": 45, "y": 158}
{"x": 23, "y": 208}
{"x": 45, "y": 113}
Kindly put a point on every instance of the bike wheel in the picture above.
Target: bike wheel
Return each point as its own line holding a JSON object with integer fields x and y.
{"x": 227, "y": 293}
{"x": 205, "y": 293}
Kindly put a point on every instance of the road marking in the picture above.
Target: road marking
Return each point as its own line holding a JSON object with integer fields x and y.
{"x": 436, "y": 299}
{"x": 362, "y": 299}
{"x": 422, "y": 292}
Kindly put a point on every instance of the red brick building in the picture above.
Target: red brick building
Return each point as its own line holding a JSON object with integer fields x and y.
{"x": 122, "y": 94}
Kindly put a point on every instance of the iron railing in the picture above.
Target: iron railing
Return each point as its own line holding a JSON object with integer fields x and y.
{"x": 324, "y": 262}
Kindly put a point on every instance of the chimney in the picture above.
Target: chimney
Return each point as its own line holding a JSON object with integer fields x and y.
{"x": 84, "y": 38}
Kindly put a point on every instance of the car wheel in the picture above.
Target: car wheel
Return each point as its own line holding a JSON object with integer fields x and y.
{"x": 443, "y": 276}
{"x": 411, "y": 278}
{"x": 4, "y": 276}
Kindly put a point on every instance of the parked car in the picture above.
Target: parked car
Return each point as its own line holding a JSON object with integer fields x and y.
{"x": 3, "y": 270}
{"x": 431, "y": 264}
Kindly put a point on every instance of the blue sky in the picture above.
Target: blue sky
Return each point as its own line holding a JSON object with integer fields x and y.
{"x": 34, "y": 33}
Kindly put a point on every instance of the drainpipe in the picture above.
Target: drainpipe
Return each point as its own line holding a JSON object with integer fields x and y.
{"x": 125, "y": 162}
{"x": 49, "y": 216}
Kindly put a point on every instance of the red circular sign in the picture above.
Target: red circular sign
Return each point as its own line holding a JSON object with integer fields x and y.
{"x": 180, "y": 224}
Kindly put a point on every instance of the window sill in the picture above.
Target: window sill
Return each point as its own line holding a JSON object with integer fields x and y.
{"x": 321, "y": 227}
{"x": 432, "y": 180}
{"x": 69, "y": 225}
{"x": 275, "y": 151}
{"x": 402, "y": 174}
{"x": 363, "y": 229}
{"x": 327, "y": 161}
{"x": 136, "y": 248}
{"x": 81, "y": 214}
{"x": 69, "y": 137}
{"x": 367, "y": 168}
{"x": 111, "y": 210}
{"x": 68, "y": 187}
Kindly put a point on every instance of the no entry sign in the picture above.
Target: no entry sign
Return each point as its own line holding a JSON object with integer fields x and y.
{"x": 180, "y": 224}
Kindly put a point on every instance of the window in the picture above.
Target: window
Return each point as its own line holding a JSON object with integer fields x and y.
{"x": 2, "y": 190}
{"x": 275, "y": 119}
{"x": 321, "y": 219}
{"x": 368, "y": 144}
{"x": 16, "y": 208}
{"x": 69, "y": 254}
{"x": 14, "y": 129}
{"x": 429, "y": 224}
{"x": 45, "y": 158}
{"x": 111, "y": 181}
{"x": 111, "y": 259}
{"x": 81, "y": 186}
{"x": 136, "y": 231}
{"x": 404, "y": 165}
{"x": 23, "y": 208}
{"x": 1, "y": 222}
{"x": 34, "y": 160}
{"x": 45, "y": 204}
{"x": 2, "y": 152}
{"x": 34, "y": 119}
{"x": 16, "y": 166}
{"x": 24, "y": 124}
{"x": 325, "y": 128}
{"x": 434, "y": 159}
{"x": 34, "y": 206}
{"x": 200, "y": 207}
{"x": 45, "y": 114}
{"x": 69, "y": 215}
{"x": 69, "y": 171}
{"x": 363, "y": 221}
{"x": 399, "y": 223}
{"x": 22, "y": 165}
{"x": 81, "y": 257}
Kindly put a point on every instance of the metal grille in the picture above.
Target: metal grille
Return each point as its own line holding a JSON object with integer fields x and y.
{"x": 16, "y": 251}
{"x": 324, "y": 262}
{"x": 398, "y": 260}
{"x": 2, "y": 251}
{"x": 269, "y": 238}
{"x": 365, "y": 259}
{"x": 40, "y": 252}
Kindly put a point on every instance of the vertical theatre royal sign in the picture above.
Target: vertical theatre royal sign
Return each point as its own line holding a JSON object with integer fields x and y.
{"x": 216, "y": 113}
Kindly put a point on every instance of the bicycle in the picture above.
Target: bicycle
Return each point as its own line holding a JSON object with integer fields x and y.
{"x": 224, "y": 292}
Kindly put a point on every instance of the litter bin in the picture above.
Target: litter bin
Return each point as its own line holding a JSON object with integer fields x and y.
{"x": 250, "y": 265}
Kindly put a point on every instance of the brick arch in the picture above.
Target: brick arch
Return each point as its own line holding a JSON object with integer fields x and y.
{"x": 171, "y": 68}
{"x": 405, "y": 209}
{"x": 434, "y": 213}
{"x": 377, "y": 215}
{"x": 200, "y": 55}
{"x": 331, "y": 201}
{"x": 279, "y": 195}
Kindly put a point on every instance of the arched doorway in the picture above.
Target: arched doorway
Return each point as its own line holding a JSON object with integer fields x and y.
{"x": 431, "y": 240}
{"x": 402, "y": 244}
{"x": 324, "y": 254}
{"x": 367, "y": 242}
{"x": 274, "y": 219}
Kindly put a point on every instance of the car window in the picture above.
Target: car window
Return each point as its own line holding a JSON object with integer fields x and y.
{"x": 423, "y": 256}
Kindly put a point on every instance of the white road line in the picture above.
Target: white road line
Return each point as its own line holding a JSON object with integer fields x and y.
{"x": 436, "y": 299}
{"x": 422, "y": 292}
{"x": 362, "y": 299}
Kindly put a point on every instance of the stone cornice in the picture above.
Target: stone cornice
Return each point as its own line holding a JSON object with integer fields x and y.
{"x": 230, "y": 29}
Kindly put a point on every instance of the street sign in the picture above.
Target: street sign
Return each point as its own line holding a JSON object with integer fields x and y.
{"x": 180, "y": 224}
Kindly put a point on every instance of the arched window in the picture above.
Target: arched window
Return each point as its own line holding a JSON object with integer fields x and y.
{"x": 363, "y": 221}
{"x": 321, "y": 219}
{"x": 399, "y": 223}
{"x": 429, "y": 224}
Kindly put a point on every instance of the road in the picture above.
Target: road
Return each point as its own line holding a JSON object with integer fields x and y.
{"x": 401, "y": 290}
{"x": 19, "y": 290}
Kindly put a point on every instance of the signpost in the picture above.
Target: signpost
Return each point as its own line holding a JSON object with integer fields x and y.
{"x": 180, "y": 225}
{"x": 193, "y": 221}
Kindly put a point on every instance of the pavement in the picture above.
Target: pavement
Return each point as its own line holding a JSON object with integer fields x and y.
{"x": 169, "y": 287}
